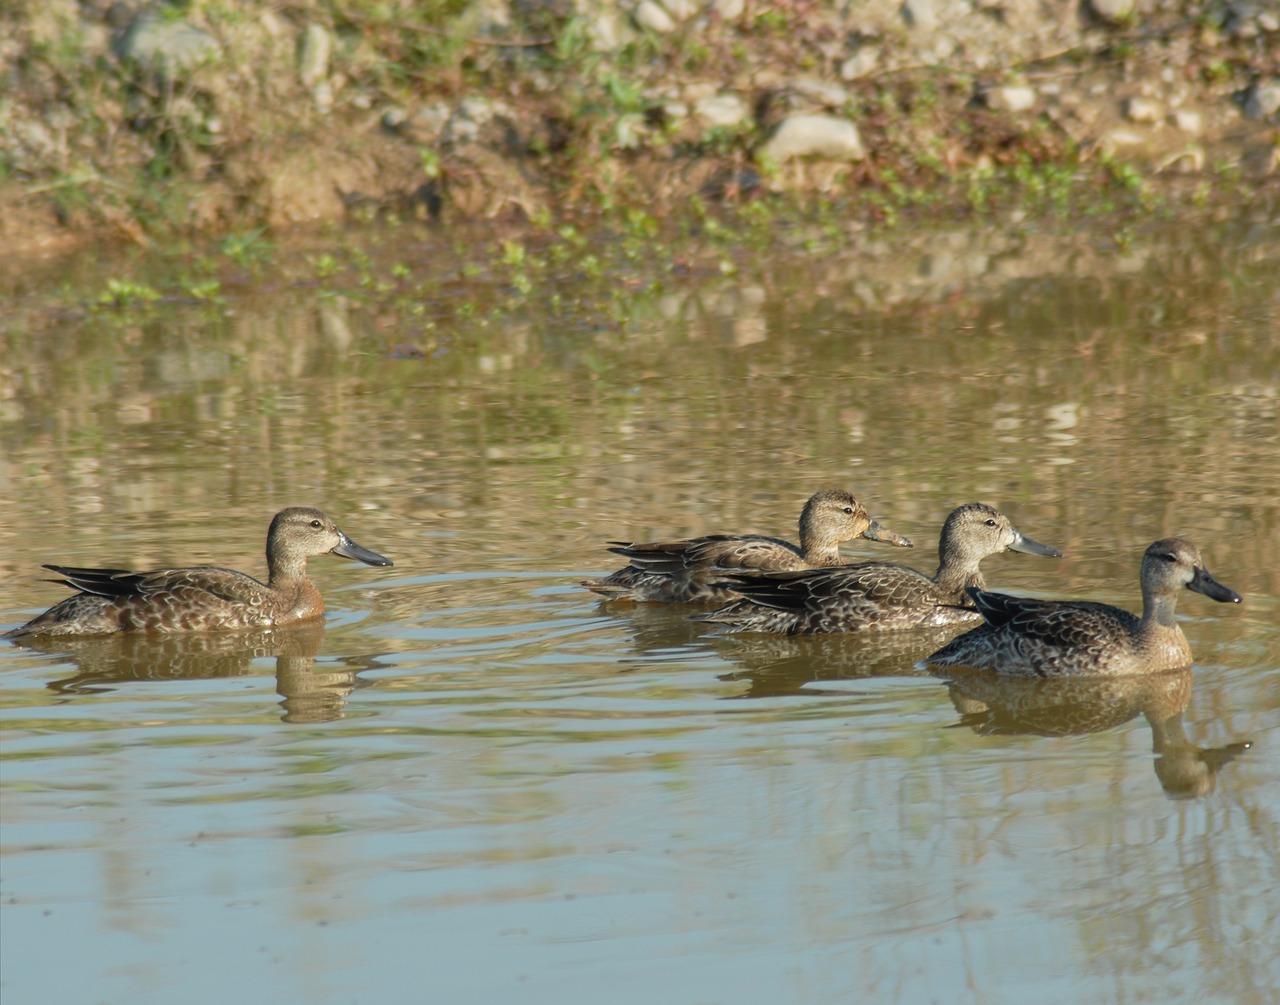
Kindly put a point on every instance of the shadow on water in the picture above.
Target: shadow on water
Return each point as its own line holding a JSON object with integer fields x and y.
{"x": 991, "y": 705}
{"x": 309, "y": 695}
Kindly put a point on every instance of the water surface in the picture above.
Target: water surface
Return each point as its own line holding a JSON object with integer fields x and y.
{"x": 475, "y": 783}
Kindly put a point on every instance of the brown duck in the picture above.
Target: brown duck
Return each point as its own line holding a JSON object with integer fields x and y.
{"x": 693, "y": 571}
{"x": 203, "y": 598}
{"x": 879, "y": 595}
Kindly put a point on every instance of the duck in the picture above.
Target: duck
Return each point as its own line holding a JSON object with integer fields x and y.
{"x": 879, "y": 596}
{"x": 692, "y": 571}
{"x": 203, "y": 598}
{"x": 1054, "y": 638}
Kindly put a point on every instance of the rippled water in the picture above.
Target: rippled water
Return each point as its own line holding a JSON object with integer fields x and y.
{"x": 475, "y": 783}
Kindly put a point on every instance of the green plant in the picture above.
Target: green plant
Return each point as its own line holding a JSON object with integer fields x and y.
{"x": 122, "y": 293}
{"x": 248, "y": 250}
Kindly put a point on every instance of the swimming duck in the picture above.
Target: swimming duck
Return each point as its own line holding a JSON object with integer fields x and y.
{"x": 692, "y": 571}
{"x": 1058, "y": 637}
{"x": 203, "y": 598}
{"x": 879, "y": 595}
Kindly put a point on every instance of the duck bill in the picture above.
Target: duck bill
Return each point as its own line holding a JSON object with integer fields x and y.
{"x": 1204, "y": 583}
{"x": 1030, "y": 547}
{"x": 347, "y": 548}
{"x": 885, "y": 536}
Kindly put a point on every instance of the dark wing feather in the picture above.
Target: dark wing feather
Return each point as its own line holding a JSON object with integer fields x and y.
{"x": 207, "y": 582}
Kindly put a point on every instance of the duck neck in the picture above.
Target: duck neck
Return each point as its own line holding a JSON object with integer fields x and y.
{"x": 1158, "y": 609}
{"x": 954, "y": 575}
{"x": 284, "y": 572}
{"x": 819, "y": 550}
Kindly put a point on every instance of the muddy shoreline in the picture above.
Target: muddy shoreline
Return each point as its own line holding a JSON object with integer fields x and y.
{"x": 141, "y": 122}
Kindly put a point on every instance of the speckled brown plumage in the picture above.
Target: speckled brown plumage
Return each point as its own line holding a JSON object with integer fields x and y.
{"x": 1047, "y": 638}
{"x": 692, "y": 571}
{"x": 879, "y": 595}
{"x": 203, "y": 598}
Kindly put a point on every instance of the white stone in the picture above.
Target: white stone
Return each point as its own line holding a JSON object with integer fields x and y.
{"x": 315, "y": 48}
{"x": 653, "y": 17}
{"x": 322, "y": 95}
{"x": 1142, "y": 110}
{"x": 1263, "y": 100}
{"x": 681, "y": 10}
{"x": 919, "y": 14}
{"x": 861, "y": 63}
{"x": 814, "y": 136}
{"x": 1187, "y": 121}
{"x": 1112, "y": 11}
{"x": 607, "y": 31}
{"x": 721, "y": 110}
{"x": 831, "y": 95}
{"x": 1010, "y": 99}
{"x": 167, "y": 44}
{"x": 728, "y": 10}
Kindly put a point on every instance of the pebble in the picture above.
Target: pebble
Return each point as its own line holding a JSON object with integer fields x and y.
{"x": 861, "y": 63}
{"x": 164, "y": 43}
{"x": 721, "y": 110}
{"x": 728, "y": 10}
{"x": 920, "y": 14}
{"x": 313, "y": 54}
{"x": 1263, "y": 100}
{"x": 1187, "y": 121}
{"x": 653, "y": 17}
{"x": 822, "y": 136}
{"x": 1142, "y": 110}
{"x": 1112, "y": 11}
{"x": 680, "y": 10}
{"x": 1010, "y": 99}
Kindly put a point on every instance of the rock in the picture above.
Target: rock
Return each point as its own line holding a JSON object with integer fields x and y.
{"x": 920, "y": 14}
{"x": 608, "y": 31}
{"x": 1112, "y": 11}
{"x": 680, "y": 10}
{"x": 1250, "y": 18}
{"x": 728, "y": 10}
{"x": 1262, "y": 100}
{"x": 653, "y": 17}
{"x": 814, "y": 136}
{"x": 157, "y": 40}
{"x": 314, "y": 49}
{"x": 820, "y": 92}
{"x": 1142, "y": 110}
{"x": 322, "y": 95}
{"x": 1187, "y": 121}
{"x": 1009, "y": 99}
{"x": 861, "y": 63}
{"x": 721, "y": 110}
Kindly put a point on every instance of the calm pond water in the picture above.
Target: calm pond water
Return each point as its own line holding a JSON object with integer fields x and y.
{"x": 475, "y": 783}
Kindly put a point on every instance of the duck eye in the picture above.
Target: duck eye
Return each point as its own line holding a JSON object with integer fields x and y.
{"x": 316, "y": 524}
{"x": 991, "y": 522}
{"x": 1169, "y": 556}
{"x": 848, "y": 509}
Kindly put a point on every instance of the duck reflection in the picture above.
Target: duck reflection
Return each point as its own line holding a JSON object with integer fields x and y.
{"x": 991, "y": 704}
{"x": 776, "y": 666}
{"x": 308, "y": 695}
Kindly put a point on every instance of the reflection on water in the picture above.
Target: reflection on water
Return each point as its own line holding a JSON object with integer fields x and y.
{"x": 309, "y": 695}
{"x": 994, "y": 705}
{"x": 471, "y": 759}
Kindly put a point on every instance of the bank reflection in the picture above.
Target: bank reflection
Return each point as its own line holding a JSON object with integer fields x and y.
{"x": 308, "y": 695}
{"x": 992, "y": 705}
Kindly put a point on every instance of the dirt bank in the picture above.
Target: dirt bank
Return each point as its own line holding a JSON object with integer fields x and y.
{"x": 145, "y": 121}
